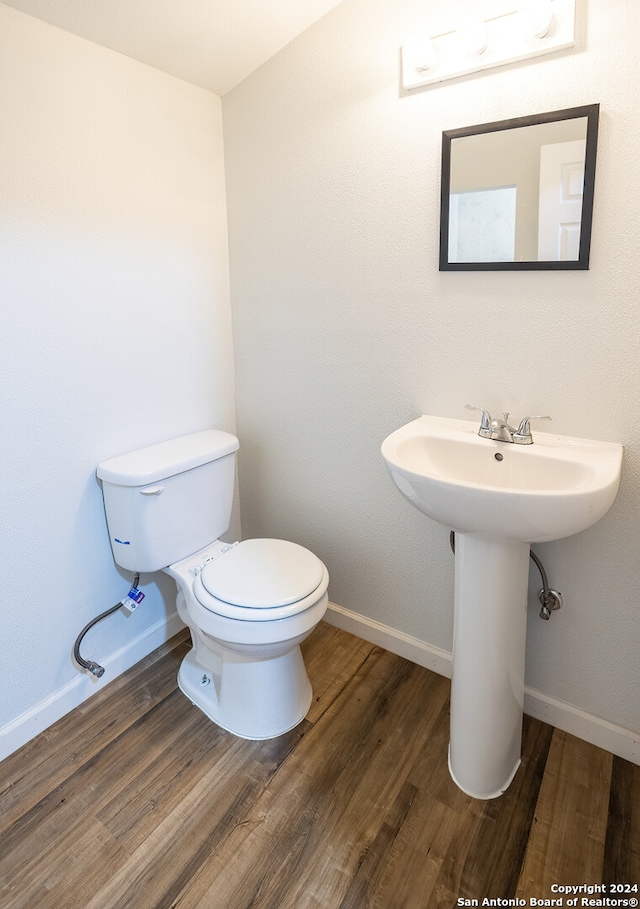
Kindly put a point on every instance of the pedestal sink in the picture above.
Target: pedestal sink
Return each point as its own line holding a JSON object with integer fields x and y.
{"x": 499, "y": 498}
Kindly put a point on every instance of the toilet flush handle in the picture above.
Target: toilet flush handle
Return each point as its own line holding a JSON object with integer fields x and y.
{"x": 151, "y": 490}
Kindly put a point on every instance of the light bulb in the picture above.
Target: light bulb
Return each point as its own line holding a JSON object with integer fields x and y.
{"x": 420, "y": 54}
{"x": 538, "y": 16}
{"x": 474, "y": 36}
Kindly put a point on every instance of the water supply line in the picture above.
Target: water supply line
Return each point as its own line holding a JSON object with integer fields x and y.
{"x": 550, "y": 599}
{"x": 132, "y": 599}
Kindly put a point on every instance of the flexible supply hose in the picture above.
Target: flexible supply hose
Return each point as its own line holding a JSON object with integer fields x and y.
{"x": 543, "y": 574}
{"x": 95, "y": 668}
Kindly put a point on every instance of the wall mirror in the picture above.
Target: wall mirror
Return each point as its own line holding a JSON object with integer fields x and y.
{"x": 518, "y": 194}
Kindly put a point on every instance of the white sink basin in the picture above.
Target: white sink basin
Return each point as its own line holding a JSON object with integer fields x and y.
{"x": 529, "y": 493}
{"x": 499, "y": 497}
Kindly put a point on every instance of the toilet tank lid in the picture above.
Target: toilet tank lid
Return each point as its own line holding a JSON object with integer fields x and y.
{"x": 158, "y": 462}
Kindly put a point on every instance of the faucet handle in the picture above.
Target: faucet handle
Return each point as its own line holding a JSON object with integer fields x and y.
{"x": 485, "y": 423}
{"x": 523, "y": 435}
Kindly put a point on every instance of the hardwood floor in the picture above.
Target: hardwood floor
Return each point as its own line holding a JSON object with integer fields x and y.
{"x": 137, "y": 800}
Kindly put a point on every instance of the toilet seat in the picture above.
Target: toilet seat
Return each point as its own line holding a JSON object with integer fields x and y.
{"x": 261, "y": 580}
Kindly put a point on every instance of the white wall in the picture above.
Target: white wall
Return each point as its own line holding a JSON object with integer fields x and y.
{"x": 344, "y": 329}
{"x": 115, "y": 334}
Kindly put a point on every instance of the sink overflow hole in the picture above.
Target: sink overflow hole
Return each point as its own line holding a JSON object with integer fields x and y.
{"x": 498, "y": 456}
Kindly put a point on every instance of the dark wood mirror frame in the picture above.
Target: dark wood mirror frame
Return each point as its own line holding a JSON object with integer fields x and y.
{"x": 591, "y": 113}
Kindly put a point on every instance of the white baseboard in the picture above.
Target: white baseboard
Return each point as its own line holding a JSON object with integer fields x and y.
{"x": 616, "y": 739}
{"x": 593, "y": 729}
{"x": 384, "y": 636}
{"x": 25, "y": 727}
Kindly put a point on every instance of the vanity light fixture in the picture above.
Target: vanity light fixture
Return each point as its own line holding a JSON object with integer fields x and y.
{"x": 522, "y": 29}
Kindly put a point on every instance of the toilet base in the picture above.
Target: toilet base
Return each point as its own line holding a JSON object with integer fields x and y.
{"x": 253, "y": 698}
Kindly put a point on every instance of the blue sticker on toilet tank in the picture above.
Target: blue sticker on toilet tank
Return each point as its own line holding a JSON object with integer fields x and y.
{"x": 122, "y": 542}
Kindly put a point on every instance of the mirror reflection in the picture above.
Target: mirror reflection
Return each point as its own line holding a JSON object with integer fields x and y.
{"x": 519, "y": 193}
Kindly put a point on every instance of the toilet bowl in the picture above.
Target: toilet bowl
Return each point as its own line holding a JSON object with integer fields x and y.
{"x": 248, "y": 605}
{"x": 246, "y": 671}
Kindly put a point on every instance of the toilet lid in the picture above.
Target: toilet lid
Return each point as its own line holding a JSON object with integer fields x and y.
{"x": 261, "y": 574}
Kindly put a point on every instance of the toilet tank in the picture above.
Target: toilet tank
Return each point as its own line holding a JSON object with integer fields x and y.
{"x": 167, "y": 501}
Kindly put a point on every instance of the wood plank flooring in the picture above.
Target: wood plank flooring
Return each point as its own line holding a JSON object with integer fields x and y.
{"x": 137, "y": 800}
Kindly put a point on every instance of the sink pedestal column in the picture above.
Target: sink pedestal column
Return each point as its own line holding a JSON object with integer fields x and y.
{"x": 487, "y": 686}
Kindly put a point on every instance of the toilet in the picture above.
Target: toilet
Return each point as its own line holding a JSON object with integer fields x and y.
{"x": 248, "y": 605}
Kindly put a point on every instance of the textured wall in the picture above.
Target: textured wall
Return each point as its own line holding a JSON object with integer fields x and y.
{"x": 115, "y": 328}
{"x": 344, "y": 329}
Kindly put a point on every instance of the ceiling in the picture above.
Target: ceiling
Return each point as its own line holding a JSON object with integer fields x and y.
{"x": 212, "y": 43}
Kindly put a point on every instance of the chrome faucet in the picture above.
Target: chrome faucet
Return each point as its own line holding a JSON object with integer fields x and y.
{"x": 501, "y": 431}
